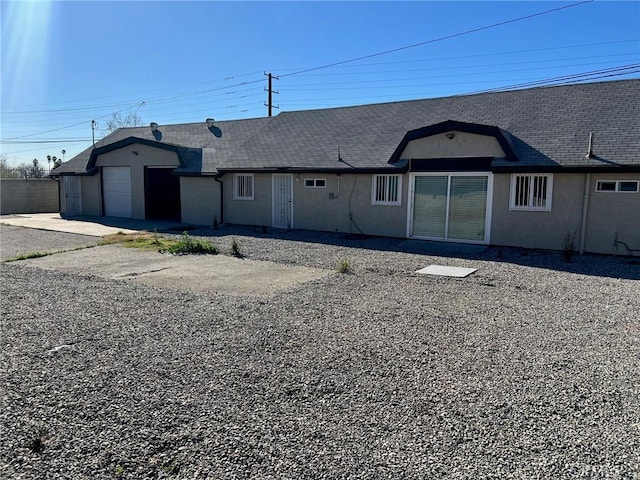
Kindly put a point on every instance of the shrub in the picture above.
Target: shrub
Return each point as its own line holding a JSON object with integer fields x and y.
{"x": 235, "y": 248}
{"x": 344, "y": 267}
{"x": 569, "y": 246}
{"x": 188, "y": 245}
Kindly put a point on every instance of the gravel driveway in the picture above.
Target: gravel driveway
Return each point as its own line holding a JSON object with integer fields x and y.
{"x": 527, "y": 369}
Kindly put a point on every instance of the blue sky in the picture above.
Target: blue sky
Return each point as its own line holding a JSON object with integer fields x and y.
{"x": 66, "y": 63}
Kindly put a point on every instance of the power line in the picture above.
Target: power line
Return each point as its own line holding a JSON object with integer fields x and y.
{"x": 595, "y": 74}
{"x": 574, "y": 78}
{"x": 431, "y": 68}
{"x": 446, "y": 37}
{"x": 57, "y": 140}
{"x": 477, "y": 55}
{"x": 68, "y": 126}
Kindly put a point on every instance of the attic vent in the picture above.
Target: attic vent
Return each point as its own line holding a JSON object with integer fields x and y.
{"x": 210, "y": 123}
{"x": 154, "y": 126}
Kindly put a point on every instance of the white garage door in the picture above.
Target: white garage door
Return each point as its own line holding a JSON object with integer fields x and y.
{"x": 116, "y": 191}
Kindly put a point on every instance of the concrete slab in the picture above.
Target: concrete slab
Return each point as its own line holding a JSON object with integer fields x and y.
{"x": 446, "y": 271}
{"x": 195, "y": 273}
{"x": 87, "y": 225}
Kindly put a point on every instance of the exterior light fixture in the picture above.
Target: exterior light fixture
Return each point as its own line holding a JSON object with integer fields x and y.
{"x": 450, "y": 135}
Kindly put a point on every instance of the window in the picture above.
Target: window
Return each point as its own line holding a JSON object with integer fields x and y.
{"x": 315, "y": 182}
{"x": 386, "y": 190}
{"x": 531, "y": 192}
{"x": 628, "y": 186}
{"x": 243, "y": 186}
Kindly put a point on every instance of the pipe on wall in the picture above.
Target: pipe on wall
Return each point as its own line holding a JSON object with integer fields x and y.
{"x": 585, "y": 211}
{"x": 217, "y": 179}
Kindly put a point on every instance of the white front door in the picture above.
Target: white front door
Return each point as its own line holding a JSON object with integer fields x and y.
{"x": 282, "y": 187}
{"x": 116, "y": 191}
{"x": 72, "y": 196}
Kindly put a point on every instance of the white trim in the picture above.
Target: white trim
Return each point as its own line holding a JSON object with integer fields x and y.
{"x": 236, "y": 177}
{"x": 374, "y": 185}
{"x": 617, "y": 186}
{"x": 529, "y": 207}
{"x": 488, "y": 206}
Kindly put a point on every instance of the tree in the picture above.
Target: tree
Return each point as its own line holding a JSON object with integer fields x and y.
{"x": 116, "y": 122}
{"x": 6, "y": 170}
{"x": 36, "y": 170}
{"x": 56, "y": 161}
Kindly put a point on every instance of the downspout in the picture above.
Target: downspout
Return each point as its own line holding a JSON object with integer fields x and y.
{"x": 585, "y": 201}
{"x": 585, "y": 211}
{"x": 217, "y": 179}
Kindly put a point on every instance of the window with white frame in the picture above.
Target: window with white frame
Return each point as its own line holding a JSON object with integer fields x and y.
{"x": 531, "y": 192}
{"x": 386, "y": 190}
{"x": 315, "y": 182}
{"x": 243, "y": 186}
{"x": 627, "y": 186}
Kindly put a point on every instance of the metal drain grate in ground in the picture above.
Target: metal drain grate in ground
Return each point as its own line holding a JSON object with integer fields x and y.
{"x": 445, "y": 271}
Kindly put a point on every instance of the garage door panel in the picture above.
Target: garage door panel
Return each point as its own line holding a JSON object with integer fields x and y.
{"x": 116, "y": 191}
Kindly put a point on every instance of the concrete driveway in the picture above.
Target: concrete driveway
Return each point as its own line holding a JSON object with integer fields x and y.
{"x": 86, "y": 225}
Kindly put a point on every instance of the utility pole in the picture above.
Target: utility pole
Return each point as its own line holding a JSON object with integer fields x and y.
{"x": 271, "y": 92}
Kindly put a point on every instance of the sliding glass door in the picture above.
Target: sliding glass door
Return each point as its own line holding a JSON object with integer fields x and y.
{"x": 451, "y": 207}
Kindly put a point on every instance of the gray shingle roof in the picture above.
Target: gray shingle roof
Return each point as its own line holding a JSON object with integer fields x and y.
{"x": 548, "y": 127}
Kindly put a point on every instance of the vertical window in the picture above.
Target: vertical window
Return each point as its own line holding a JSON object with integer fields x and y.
{"x": 243, "y": 186}
{"x": 531, "y": 192}
{"x": 386, "y": 190}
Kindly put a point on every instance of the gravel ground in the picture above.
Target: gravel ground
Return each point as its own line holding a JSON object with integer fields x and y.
{"x": 527, "y": 369}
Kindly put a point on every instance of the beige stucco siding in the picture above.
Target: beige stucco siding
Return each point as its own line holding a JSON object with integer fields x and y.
{"x": 137, "y": 157}
{"x": 462, "y": 144}
{"x": 313, "y": 209}
{"x": 350, "y": 209}
{"x": 249, "y": 212}
{"x": 200, "y": 200}
{"x": 608, "y": 213}
{"x": 611, "y": 213}
{"x": 91, "y": 195}
{"x": 537, "y": 229}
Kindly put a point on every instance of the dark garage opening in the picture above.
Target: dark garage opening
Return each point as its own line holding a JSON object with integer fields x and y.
{"x": 162, "y": 200}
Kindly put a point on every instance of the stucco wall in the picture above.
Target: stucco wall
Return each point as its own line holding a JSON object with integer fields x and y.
{"x": 537, "y": 229}
{"x": 200, "y": 200}
{"x": 34, "y": 195}
{"x": 350, "y": 209}
{"x": 610, "y": 213}
{"x": 137, "y": 157}
{"x": 249, "y": 212}
{"x": 462, "y": 144}
{"x": 313, "y": 209}
{"x": 91, "y": 195}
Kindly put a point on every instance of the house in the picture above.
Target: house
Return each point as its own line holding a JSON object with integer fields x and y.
{"x": 518, "y": 168}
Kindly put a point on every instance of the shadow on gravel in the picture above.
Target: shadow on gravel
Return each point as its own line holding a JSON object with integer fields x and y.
{"x": 589, "y": 264}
